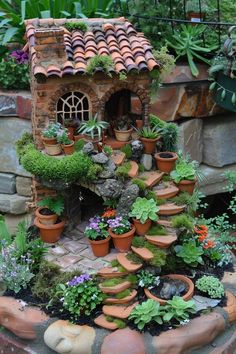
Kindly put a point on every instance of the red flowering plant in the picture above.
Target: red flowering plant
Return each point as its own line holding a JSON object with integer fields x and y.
{"x": 109, "y": 213}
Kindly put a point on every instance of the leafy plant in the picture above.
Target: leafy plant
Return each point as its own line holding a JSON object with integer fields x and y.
{"x": 97, "y": 229}
{"x": 143, "y": 209}
{"x": 72, "y": 26}
{"x": 190, "y": 253}
{"x": 169, "y": 134}
{"x": 183, "y": 171}
{"x": 52, "y": 130}
{"x": 188, "y": 42}
{"x": 107, "y": 150}
{"x": 123, "y": 170}
{"x": 93, "y": 127}
{"x": 157, "y": 230}
{"x": 148, "y": 133}
{"x": 100, "y": 61}
{"x": 178, "y": 309}
{"x": 145, "y": 313}
{"x": 183, "y": 221}
{"x": 210, "y": 285}
{"x": 64, "y": 139}
{"x": 127, "y": 150}
{"x": 79, "y": 144}
{"x": 119, "y": 225}
{"x": 54, "y": 204}
{"x": 156, "y": 122}
{"x": 192, "y": 202}
{"x": 147, "y": 280}
{"x": 13, "y": 75}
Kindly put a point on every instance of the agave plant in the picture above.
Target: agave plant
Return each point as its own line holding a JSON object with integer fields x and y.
{"x": 93, "y": 127}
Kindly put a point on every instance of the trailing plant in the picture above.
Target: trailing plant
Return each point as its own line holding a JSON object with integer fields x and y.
{"x": 210, "y": 285}
{"x": 143, "y": 209}
{"x": 93, "y": 127}
{"x": 54, "y": 204}
{"x": 190, "y": 253}
{"x": 13, "y": 75}
{"x": 178, "y": 309}
{"x": 120, "y": 225}
{"x": 80, "y": 26}
{"x": 145, "y": 313}
{"x": 147, "y": 280}
{"x": 25, "y": 139}
{"x": 100, "y": 61}
{"x": 148, "y": 133}
{"x": 97, "y": 229}
{"x": 127, "y": 150}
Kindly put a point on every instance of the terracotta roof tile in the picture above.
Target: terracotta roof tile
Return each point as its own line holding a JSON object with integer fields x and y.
{"x": 129, "y": 49}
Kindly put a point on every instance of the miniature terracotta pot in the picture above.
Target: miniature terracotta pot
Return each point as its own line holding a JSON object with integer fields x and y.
{"x": 100, "y": 248}
{"x": 165, "y": 161}
{"x": 186, "y": 280}
{"x": 50, "y": 233}
{"x": 71, "y": 131}
{"x": 45, "y": 219}
{"x": 149, "y": 145}
{"x": 53, "y": 150}
{"x": 68, "y": 149}
{"x": 187, "y": 186}
{"x": 139, "y": 123}
{"x": 123, "y": 135}
{"x": 49, "y": 141}
{"x": 142, "y": 229}
{"x": 123, "y": 242}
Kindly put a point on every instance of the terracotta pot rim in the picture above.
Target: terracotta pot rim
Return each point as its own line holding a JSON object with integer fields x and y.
{"x": 123, "y": 131}
{"x": 48, "y": 227}
{"x": 48, "y": 139}
{"x": 127, "y": 234}
{"x": 100, "y": 242}
{"x": 139, "y": 222}
{"x": 158, "y": 157}
{"x": 68, "y": 145}
{"x": 149, "y": 140}
{"x": 39, "y": 215}
{"x": 185, "y": 279}
{"x": 186, "y": 181}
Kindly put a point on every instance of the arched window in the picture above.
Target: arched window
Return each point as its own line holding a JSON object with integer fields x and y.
{"x": 73, "y": 106}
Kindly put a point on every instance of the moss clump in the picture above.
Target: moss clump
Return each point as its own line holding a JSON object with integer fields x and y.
{"x": 127, "y": 150}
{"x": 73, "y": 26}
{"x": 100, "y": 61}
{"x": 141, "y": 168}
{"x": 138, "y": 241}
{"x": 183, "y": 221}
{"x": 123, "y": 294}
{"x": 115, "y": 263}
{"x": 182, "y": 199}
{"x": 123, "y": 170}
{"x": 157, "y": 230}
{"x": 134, "y": 258}
{"x": 79, "y": 145}
{"x": 166, "y": 178}
{"x": 112, "y": 282}
{"x": 152, "y": 195}
{"x": 159, "y": 258}
{"x": 25, "y": 139}
{"x": 120, "y": 323}
{"x": 140, "y": 183}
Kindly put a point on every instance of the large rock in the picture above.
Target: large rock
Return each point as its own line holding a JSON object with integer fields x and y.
{"x": 7, "y": 105}
{"x": 111, "y": 188}
{"x": 190, "y": 139}
{"x": 10, "y": 130}
{"x": 219, "y": 142}
{"x": 23, "y": 186}
{"x": 13, "y": 203}
{"x": 127, "y": 198}
{"x": 7, "y": 183}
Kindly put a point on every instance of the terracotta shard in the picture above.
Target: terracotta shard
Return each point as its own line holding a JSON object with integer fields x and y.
{"x": 151, "y": 178}
{"x": 116, "y": 288}
{"x": 168, "y": 192}
{"x": 161, "y": 241}
{"x": 118, "y": 157}
{"x": 133, "y": 172}
{"x": 125, "y": 300}
{"x": 102, "y": 322}
{"x": 111, "y": 272}
{"x": 165, "y": 223}
{"x": 117, "y": 311}
{"x": 170, "y": 209}
{"x": 127, "y": 264}
{"x": 143, "y": 252}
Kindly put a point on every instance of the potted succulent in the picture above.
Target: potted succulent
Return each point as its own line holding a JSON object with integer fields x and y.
{"x": 49, "y": 209}
{"x": 143, "y": 212}
{"x": 184, "y": 176}
{"x": 92, "y": 129}
{"x": 66, "y": 144}
{"x": 123, "y": 130}
{"x": 98, "y": 236}
{"x": 49, "y": 138}
{"x": 148, "y": 136}
{"x": 122, "y": 232}
{"x": 165, "y": 161}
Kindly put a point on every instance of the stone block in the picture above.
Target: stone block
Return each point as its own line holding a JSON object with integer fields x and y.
{"x": 23, "y": 186}
{"x": 7, "y": 105}
{"x": 219, "y": 143}
{"x": 11, "y": 130}
{"x": 7, "y": 183}
{"x": 24, "y": 106}
{"x": 13, "y": 203}
{"x": 190, "y": 139}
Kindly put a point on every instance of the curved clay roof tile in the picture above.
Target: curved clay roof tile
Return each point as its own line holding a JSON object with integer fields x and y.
{"x": 89, "y": 54}
{"x": 119, "y": 67}
{"x": 107, "y": 26}
{"x": 39, "y": 70}
{"x": 68, "y": 64}
{"x": 53, "y": 68}
{"x": 152, "y": 64}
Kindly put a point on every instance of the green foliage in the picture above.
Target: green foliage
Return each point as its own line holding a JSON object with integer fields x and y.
{"x": 193, "y": 6}
{"x": 25, "y": 139}
{"x": 138, "y": 241}
{"x": 191, "y": 201}
{"x": 123, "y": 294}
{"x": 188, "y": 42}
{"x": 210, "y": 285}
{"x": 166, "y": 61}
{"x": 52, "y": 130}
{"x": 159, "y": 256}
{"x": 147, "y": 280}
{"x": 183, "y": 171}
{"x": 54, "y": 204}
{"x": 157, "y": 230}
{"x": 169, "y": 134}
{"x": 127, "y": 150}
{"x": 145, "y": 313}
{"x": 64, "y": 139}
{"x": 122, "y": 76}
{"x": 231, "y": 179}
{"x": 107, "y": 150}
{"x": 79, "y": 144}
{"x": 120, "y": 323}
{"x": 182, "y": 221}
{"x": 123, "y": 170}
{"x": 100, "y": 61}
{"x": 140, "y": 183}
{"x": 72, "y": 26}
{"x": 143, "y": 209}
{"x": 190, "y": 253}
{"x": 141, "y": 168}
{"x": 67, "y": 169}
{"x": 156, "y": 122}
{"x": 93, "y": 127}
{"x": 13, "y": 75}
{"x": 5, "y": 236}
{"x": 178, "y": 309}
{"x": 148, "y": 133}
{"x": 134, "y": 258}
{"x": 107, "y": 283}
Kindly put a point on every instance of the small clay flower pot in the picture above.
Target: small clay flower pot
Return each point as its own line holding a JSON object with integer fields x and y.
{"x": 71, "y": 131}
{"x": 187, "y": 186}
{"x": 139, "y": 123}
{"x": 142, "y": 229}
{"x": 50, "y": 233}
{"x": 68, "y": 149}
{"x": 53, "y": 150}
{"x": 149, "y": 145}
{"x": 47, "y": 219}
{"x": 123, "y": 135}
{"x": 186, "y": 297}
{"x": 49, "y": 141}
{"x": 100, "y": 248}
{"x": 165, "y": 161}
{"x": 123, "y": 242}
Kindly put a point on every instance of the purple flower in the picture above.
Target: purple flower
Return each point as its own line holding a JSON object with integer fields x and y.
{"x": 79, "y": 280}
{"x": 20, "y": 56}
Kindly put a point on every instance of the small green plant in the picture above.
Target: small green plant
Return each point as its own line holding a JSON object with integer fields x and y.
{"x": 178, "y": 309}
{"x": 80, "y": 26}
{"x": 134, "y": 258}
{"x": 52, "y": 130}
{"x": 13, "y": 75}
{"x": 183, "y": 171}
{"x": 183, "y": 221}
{"x": 145, "y": 313}
{"x": 127, "y": 150}
{"x": 93, "y": 127}
{"x": 156, "y": 122}
{"x": 100, "y": 61}
{"x": 79, "y": 144}
{"x": 108, "y": 150}
{"x": 64, "y": 139}
{"x": 25, "y": 139}
{"x": 190, "y": 253}
{"x": 169, "y": 134}
{"x": 140, "y": 183}
{"x": 55, "y": 205}
{"x": 148, "y": 133}
{"x": 141, "y": 168}
{"x": 119, "y": 225}
{"x": 166, "y": 61}
{"x": 159, "y": 256}
{"x": 123, "y": 294}
{"x": 157, "y": 230}
{"x": 210, "y": 285}
{"x": 120, "y": 323}
{"x": 143, "y": 209}
{"x": 147, "y": 280}
{"x": 122, "y": 76}
{"x": 97, "y": 229}
{"x": 191, "y": 202}
{"x": 123, "y": 170}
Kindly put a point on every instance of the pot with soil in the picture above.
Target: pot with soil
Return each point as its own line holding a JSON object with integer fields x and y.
{"x": 121, "y": 232}
{"x": 171, "y": 285}
{"x": 49, "y": 210}
{"x": 165, "y": 161}
{"x": 100, "y": 248}
{"x": 50, "y": 233}
{"x": 45, "y": 216}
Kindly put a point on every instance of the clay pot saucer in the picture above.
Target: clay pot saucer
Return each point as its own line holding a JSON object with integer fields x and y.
{"x": 121, "y": 312}
{"x": 164, "y": 241}
{"x": 125, "y": 300}
{"x": 169, "y": 192}
{"x": 111, "y": 272}
{"x": 116, "y": 288}
{"x": 151, "y": 178}
{"x": 102, "y": 322}
{"x": 187, "y": 296}
{"x": 127, "y": 264}
{"x": 143, "y": 252}
{"x": 170, "y": 209}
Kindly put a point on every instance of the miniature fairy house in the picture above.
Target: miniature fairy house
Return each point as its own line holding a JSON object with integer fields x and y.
{"x": 61, "y": 87}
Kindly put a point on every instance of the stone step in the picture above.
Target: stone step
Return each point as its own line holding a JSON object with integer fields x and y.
{"x": 111, "y": 272}
{"x": 170, "y": 209}
{"x": 102, "y": 322}
{"x": 151, "y": 178}
{"x": 118, "y": 157}
{"x": 125, "y": 300}
{"x": 117, "y": 311}
{"x": 169, "y": 192}
{"x": 133, "y": 172}
{"x": 127, "y": 264}
{"x": 116, "y": 288}
{"x": 161, "y": 241}
{"x": 143, "y": 252}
